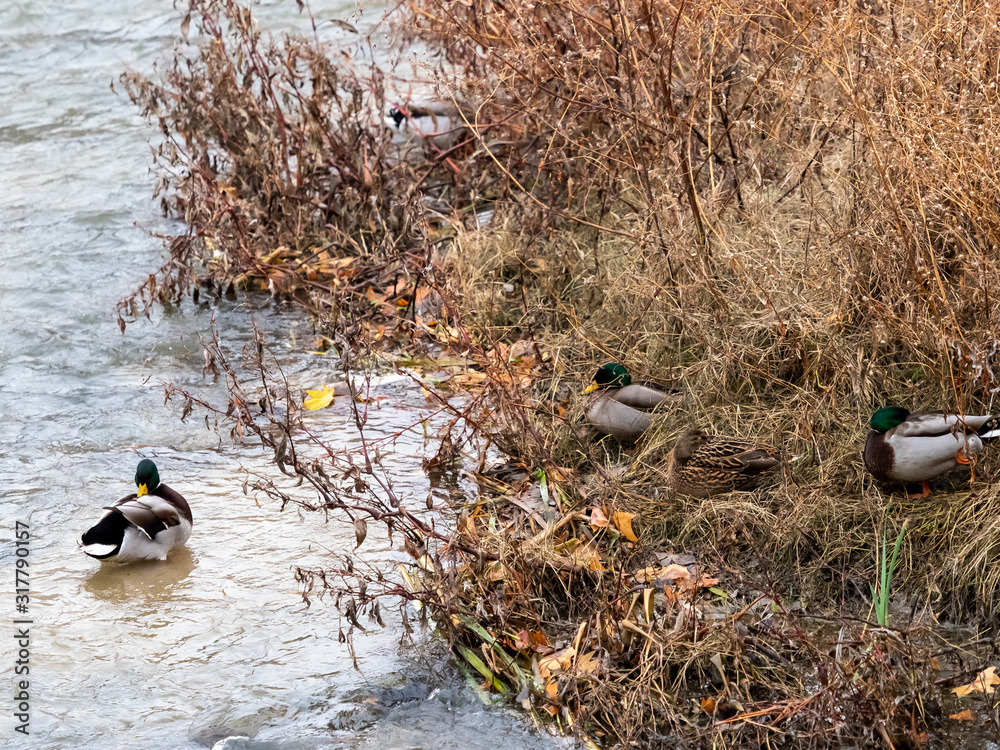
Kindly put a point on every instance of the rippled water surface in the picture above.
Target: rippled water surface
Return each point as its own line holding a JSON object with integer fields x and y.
{"x": 217, "y": 642}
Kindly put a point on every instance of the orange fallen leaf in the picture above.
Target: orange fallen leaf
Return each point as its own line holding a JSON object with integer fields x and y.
{"x": 708, "y": 705}
{"x": 522, "y": 641}
{"x": 669, "y": 596}
{"x": 552, "y": 689}
{"x": 374, "y": 297}
{"x": 623, "y": 522}
{"x": 646, "y": 574}
{"x": 985, "y": 682}
{"x": 597, "y": 519}
{"x": 965, "y": 715}
{"x": 561, "y": 660}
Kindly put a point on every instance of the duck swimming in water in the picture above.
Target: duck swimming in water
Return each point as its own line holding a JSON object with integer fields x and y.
{"x": 143, "y": 526}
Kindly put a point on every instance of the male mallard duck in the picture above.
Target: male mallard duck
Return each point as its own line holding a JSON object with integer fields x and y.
{"x": 621, "y": 408}
{"x": 905, "y": 447}
{"x": 702, "y": 465}
{"x": 438, "y": 124}
{"x": 142, "y": 526}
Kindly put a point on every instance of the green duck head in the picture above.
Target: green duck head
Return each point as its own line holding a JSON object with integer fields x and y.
{"x": 611, "y": 375}
{"x": 888, "y": 417}
{"x": 147, "y": 478}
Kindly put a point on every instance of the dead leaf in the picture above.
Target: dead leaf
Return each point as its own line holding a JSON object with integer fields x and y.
{"x": 965, "y": 715}
{"x": 552, "y": 689}
{"x": 343, "y": 25}
{"x": 708, "y": 705}
{"x": 560, "y": 660}
{"x": 985, "y": 682}
{"x": 522, "y": 641}
{"x": 648, "y": 603}
{"x": 646, "y": 574}
{"x": 623, "y": 522}
{"x": 588, "y": 663}
{"x": 598, "y": 520}
{"x": 360, "y": 530}
{"x": 669, "y": 596}
{"x": 676, "y": 573}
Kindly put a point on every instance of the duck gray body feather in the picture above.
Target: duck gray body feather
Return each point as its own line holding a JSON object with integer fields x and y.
{"x": 924, "y": 446}
{"x": 624, "y": 413}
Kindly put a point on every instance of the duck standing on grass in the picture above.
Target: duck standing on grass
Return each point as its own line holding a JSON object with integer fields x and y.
{"x": 702, "y": 465}
{"x": 142, "y": 526}
{"x": 905, "y": 447}
{"x": 620, "y": 408}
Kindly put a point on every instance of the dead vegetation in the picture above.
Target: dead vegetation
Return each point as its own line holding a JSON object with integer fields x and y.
{"x": 789, "y": 212}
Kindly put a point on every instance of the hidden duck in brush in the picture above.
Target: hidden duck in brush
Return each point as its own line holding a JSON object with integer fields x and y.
{"x": 905, "y": 447}
{"x": 619, "y": 407}
{"x": 437, "y": 124}
{"x": 143, "y": 526}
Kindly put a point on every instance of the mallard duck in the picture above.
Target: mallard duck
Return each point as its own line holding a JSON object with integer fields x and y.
{"x": 143, "y": 526}
{"x": 905, "y": 447}
{"x": 438, "y": 124}
{"x": 702, "y": 465}
{"x": 620, "y": 407}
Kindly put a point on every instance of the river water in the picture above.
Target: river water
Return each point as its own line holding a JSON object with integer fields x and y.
{"x": 217, "y": 642}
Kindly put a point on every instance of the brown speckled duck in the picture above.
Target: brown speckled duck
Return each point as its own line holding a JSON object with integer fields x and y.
{"x": 702, "y": 465}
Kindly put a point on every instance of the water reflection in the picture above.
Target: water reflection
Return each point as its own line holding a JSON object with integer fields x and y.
{"x": 148, "y": 581}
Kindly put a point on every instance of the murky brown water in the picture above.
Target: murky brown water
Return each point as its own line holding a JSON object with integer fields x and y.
{"x": 217, "y": 642}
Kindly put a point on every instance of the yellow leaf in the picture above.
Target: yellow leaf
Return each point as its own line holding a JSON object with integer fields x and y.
{"x": 623, "y": 522}
{"x": 965, "y": 715}
{"x": 985, "y": 682}
{"x": 319, "y": 399}
{"x": 648, "y": 602}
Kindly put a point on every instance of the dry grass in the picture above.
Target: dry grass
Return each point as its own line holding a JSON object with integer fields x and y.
{"x": 810, "y": 233}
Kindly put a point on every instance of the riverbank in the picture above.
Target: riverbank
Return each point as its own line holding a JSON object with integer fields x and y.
{"x": 792, "y": 225}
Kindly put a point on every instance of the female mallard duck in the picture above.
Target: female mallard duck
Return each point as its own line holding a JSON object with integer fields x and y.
{"x": 905, "y": 447}
{"x": 142, "y": 526}
{"x": 702, "y": 465}
{"x": 620, "y": 407}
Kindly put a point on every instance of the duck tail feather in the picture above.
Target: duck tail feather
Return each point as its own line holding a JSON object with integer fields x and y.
{"x": 760, "y": 463}
{"x": 101, "y": 551}
{"x": 990, "y": 434}
{"x": 110, "y": 530}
